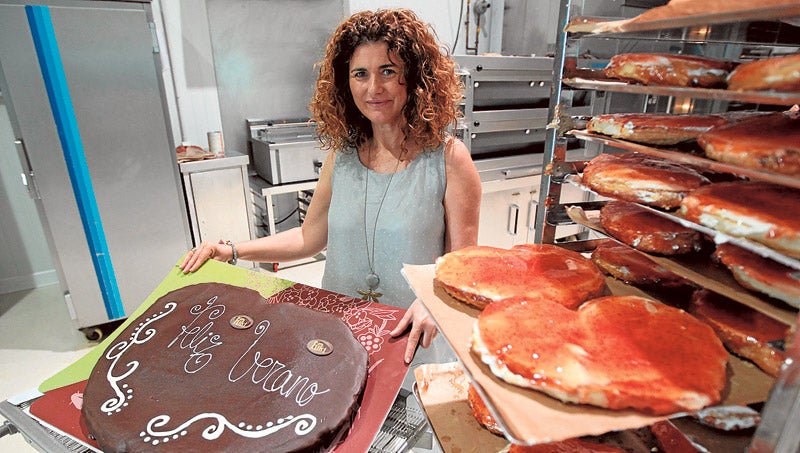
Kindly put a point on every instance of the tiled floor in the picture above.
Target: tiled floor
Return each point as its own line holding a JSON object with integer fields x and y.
{"x": 37, "y": 339}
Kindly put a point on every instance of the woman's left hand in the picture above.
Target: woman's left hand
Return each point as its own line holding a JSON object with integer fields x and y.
{"x": 423, "y": 329}
{"x": 202, "y": 253}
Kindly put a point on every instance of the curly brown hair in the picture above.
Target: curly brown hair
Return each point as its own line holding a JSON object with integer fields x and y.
{"x": 434, "y": 89}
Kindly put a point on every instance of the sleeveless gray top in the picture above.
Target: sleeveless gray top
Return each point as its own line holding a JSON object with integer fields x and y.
{"x": 410, "y": 225}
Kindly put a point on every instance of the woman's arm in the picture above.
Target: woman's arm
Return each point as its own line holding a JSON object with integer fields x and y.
{"x": 462, "y": 198}
{"x": 462, "y": 205}
{"x": 294, "y": 244}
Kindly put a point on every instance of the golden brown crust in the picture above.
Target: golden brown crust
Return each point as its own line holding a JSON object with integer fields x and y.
{"x": 776, "y": 73}
{"x": 670, "y": 438}
{"x": 680, "y": 8}
{"x": 480, "y": 275}
{"x": 643, "y": 230}
{"x": 755, "y": 210}
{"x": 626, "y": 264}
{"x": 641, "y": 179}
{"x": 481, "y": 412}
{"x": 761, "y": 274}
{"x": 652, "y": 128}
{"x": 744, "y": 331}
{"x": 669, "y": 69}
{"x": 765, "y": 142}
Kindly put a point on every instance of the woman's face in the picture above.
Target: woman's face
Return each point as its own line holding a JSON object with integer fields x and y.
{"x": 377, "y": 83}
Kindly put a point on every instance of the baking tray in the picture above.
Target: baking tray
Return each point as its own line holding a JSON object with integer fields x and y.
{"x": 442, "y": 390}
{"x": 697, "y": 161}
{"x": 716, "y": 236}
{"x": 736, "y": 11}
{"x": 702, "y": 272}
{"x": 756, "y": 97}
{"x": 530, "y": 417}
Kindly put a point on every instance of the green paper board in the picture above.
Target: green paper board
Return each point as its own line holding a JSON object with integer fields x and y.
{"x": 211, "y": 271}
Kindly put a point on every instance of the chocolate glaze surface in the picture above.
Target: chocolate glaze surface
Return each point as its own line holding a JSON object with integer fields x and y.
{"x": 191, "y": 374}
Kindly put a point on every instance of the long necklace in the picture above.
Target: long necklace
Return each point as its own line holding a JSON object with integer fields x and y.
{"x": 373, "y": 280}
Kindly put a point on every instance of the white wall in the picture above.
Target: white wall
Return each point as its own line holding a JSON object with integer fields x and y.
{"x": 443, "y": 15}
{"x": 190, "y": 65}
{"x": 193, "y": 100}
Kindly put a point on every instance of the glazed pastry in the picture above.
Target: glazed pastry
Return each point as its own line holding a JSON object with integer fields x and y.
{"x": 480, "y": 275}
{"x": 615, "y": 352}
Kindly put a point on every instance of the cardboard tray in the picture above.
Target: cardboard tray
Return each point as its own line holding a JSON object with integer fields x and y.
{"x": 530, "y": 417}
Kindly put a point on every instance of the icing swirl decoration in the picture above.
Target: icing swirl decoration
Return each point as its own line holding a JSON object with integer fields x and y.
{"x": 203, "y": 385}
{"x": 303, "y": 424}
{"x": 140, "y": 335}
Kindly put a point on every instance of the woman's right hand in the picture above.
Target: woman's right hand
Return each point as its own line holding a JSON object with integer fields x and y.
{"x": 202, "y": 253}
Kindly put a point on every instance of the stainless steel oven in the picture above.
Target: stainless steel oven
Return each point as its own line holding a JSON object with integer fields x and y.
{"x": 285, "y": 151}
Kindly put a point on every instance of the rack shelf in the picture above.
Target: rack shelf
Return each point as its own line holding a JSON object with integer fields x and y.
{"x": 685, "y": 16}
{"x": 681, "y": 26}
{"x": 697, "y": 161}
{"x": 755, "y": 97}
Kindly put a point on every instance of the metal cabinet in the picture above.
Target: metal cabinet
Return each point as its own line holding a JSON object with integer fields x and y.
{"x": 98, "y": 150}
{"x": 508, "y": 211}
{"x": 217, "y": 197}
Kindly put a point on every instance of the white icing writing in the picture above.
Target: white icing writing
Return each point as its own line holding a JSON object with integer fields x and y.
{"x": 272, "y": 375}
{"x": 140, "y": 335}
{"x": 154, "y": 435}
{"x": 200, "y": 339}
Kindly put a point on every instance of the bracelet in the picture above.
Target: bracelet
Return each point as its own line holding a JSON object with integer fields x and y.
{"x": 235, "y": 255}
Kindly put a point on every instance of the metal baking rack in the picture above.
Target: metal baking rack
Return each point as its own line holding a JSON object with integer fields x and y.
{"x": 403, "y": 427}
{"x": 756, "y": 97}
{"x": 748, "y": 13}
{"x": 39, "y": 436}
{"x": 571, "y": 74}
{"x": 697, "y": 161}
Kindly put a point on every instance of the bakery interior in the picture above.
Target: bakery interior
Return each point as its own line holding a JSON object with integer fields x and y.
{"x": 213, "y": 142}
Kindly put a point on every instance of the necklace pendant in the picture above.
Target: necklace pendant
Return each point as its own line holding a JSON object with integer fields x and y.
{"x": 369, "y": 295}
{"x": 372, "y": 280}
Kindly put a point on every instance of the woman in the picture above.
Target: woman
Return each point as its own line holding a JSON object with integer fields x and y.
{"x": 397, "y": 188}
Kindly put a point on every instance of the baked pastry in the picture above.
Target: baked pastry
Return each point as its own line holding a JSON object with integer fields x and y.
{"x": 215, "y": 367}
{"x": 480, "y": 275}
{"x": 675, "y": 9}
{"x": 481, "y": 412}
{"x": 744, "y": 331}
{"x": 644, "y": 230}
{"x": 616, "y": 352}
{"x": 641, "y": 179}
{"x": 759, "y": 211}
{"x": 776, "y": 73}
{"x": 670, "y": 438}
{"x": 624, "y": 263}
{"x": 564, "y": 446}
{"x": 653, "y": 128}
{"x": 761, "y": 274}
{"x": 669, "y": 70}
{"x": 765, "y": 142}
